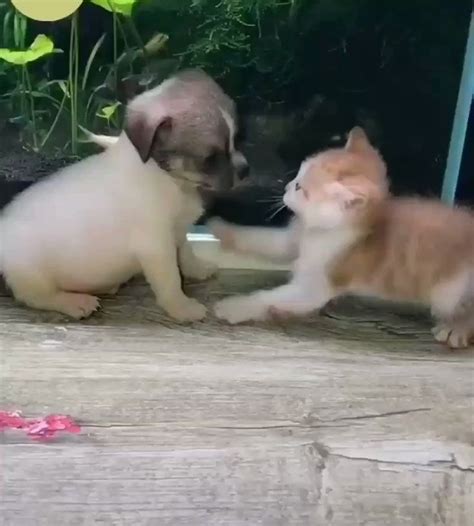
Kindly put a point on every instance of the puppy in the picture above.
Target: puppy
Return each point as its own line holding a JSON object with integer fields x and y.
{"x": 92, "y": 226}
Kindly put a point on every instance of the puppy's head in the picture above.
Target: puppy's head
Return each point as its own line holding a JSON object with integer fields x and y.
{"x": 188, "y": 126}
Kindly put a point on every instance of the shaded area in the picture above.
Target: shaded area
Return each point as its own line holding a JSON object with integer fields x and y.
{"x": 303, "y": 73}
{"x": 271, "y": 424}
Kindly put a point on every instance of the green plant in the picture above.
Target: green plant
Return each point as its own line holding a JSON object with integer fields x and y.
{"x": 40, "y": 47}
{"x": 109, "y": 114}
{"x": 43, "y": 104}
{"x": 122, "y": 7}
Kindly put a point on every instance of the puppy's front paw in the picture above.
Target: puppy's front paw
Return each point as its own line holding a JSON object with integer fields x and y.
{"x": 187, "y": 309}
{"x": 200, "y": 271}
{"x": 224, "y": 233}
{"x": 240, "y": 309}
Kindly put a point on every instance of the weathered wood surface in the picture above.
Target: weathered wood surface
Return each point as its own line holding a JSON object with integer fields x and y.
{"x": 354, "y": 418}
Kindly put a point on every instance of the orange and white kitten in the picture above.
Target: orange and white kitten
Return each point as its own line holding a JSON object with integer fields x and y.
{"x": 350, "y": 237}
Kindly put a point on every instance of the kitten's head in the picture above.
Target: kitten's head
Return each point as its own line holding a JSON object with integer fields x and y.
{"x": 340, "y": 186}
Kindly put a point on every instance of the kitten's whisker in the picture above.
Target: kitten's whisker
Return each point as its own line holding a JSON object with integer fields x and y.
{"x": 276, "y": 199}
{"x": 275, "y": 205}
{"x": 277, "y": 211}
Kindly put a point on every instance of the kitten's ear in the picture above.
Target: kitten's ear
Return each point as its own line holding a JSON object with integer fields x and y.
{"x": 354, "y": 201}
{"x": 145, "y": 132}
{"x": 350, "y": 198}
{"x": 357, "y": 140}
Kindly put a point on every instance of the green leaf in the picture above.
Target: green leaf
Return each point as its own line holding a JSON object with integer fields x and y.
{"x": 122, "y": 7}
{"x": 107, "y": 112}
{"x": 41, "y": 46}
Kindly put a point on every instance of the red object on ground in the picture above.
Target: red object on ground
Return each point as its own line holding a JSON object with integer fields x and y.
{"x": 38, "y": 428}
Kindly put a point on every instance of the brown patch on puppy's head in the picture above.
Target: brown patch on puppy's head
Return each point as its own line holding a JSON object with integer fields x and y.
{"x": 187, "y": 125}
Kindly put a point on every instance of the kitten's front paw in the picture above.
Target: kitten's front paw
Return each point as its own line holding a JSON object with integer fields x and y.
{"x": 240, "y": 309}
{"x": 280, "y": 314}
{"x": 456, "y": 338}
{"x": 200, "y": 271}
{"x": 186, "y": 310}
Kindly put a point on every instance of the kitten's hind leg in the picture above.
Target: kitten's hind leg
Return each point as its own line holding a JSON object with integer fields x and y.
{"x": 456, "y": 335}
{"x": 453, "y": 306}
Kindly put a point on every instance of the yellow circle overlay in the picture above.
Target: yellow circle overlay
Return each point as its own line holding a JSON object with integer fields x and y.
{"x": 47, "y": 10}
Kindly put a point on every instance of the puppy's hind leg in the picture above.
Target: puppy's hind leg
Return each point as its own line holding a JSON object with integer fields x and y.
{"x": 38, "y": 292}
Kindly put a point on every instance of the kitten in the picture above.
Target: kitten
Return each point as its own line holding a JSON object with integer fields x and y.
{"x": 350, "y": 237}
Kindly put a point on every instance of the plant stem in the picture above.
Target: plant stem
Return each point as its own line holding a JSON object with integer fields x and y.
{"x": 115, "y": 37}
{"x": 76, "y": 71}
{"x": 32, "y": 108}
{"x": 121, "y": 28}
{"x": 21, "y": 84}
{"x": 73, "y": 79}
{"x": 136, "y": 35}
{"x": 56, "y": 119}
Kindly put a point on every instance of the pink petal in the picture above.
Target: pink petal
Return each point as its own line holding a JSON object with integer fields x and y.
{"x": 39, "y": 428}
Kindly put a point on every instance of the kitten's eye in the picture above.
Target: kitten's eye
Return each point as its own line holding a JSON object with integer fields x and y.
{"x": 299, "y": 187}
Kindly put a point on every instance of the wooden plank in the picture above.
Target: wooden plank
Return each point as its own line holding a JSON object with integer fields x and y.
{"x": 354, "y": 418}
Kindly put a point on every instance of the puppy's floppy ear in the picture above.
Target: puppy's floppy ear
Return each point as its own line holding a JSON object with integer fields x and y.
{"x": 145, "y": 132}
{"x": 357, "y": 140}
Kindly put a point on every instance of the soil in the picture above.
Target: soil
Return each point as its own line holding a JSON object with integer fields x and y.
{"x": 19, "y": 168}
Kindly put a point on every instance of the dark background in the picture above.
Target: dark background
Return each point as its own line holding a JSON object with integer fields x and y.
{"x": 304, "y": 72}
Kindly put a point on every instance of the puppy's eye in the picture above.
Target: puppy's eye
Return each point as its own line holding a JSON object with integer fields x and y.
{"x": 297, "y": 186}
{"x": 211, "y": 160}
{"x": 239, "y": 137}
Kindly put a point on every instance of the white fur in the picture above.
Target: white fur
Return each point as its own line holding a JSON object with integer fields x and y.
{"x": 308, "y": 289}
{"x": 94, "y": 225}
{"x": 447, "y": 295}
{"x": 318, "y": 235}
{"x": 329, "y": 213}
{"x": 231, "y": 126}
{"x": 280, "y": 245}
{"x": 238, "y": 159}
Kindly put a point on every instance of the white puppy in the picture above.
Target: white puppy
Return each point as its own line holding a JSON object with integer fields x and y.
{"x": 93, "y": 225}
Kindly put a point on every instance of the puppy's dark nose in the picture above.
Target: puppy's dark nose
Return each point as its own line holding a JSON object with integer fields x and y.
{"x": 243, "y": 171}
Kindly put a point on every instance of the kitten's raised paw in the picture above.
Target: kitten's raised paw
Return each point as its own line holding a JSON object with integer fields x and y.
{"x": 187, "y": 310}
{"x": 240, "y": 309}
{"x": 456, "y": 338}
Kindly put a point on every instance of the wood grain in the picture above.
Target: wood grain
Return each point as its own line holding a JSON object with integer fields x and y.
{"x": 352, "y": 418}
